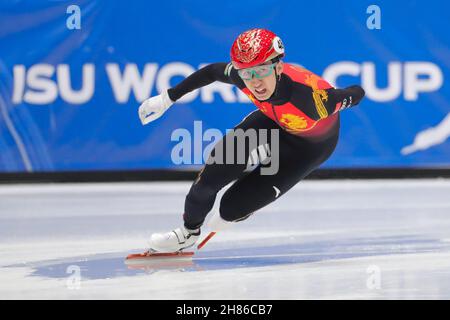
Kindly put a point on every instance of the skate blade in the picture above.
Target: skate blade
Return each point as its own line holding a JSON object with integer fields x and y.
{"x": 160, "y": 255}
{"x": 158, "y": 260}
{"x": 149, "y": 255}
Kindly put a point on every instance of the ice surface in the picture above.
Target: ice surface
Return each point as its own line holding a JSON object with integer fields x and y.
{"x": 378, "y": 239}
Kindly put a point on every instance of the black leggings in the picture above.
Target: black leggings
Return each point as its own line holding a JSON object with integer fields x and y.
{"x": 252, "y": 190}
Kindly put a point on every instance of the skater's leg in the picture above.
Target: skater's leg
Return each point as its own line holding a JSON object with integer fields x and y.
{"x": 214, "y": 176}
{"x": 256, "y": 191}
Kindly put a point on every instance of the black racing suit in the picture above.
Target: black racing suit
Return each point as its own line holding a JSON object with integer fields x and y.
{"x": 304, "y": 110}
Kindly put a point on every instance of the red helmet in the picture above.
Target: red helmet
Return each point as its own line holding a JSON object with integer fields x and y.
{"x": 254, "y": 47}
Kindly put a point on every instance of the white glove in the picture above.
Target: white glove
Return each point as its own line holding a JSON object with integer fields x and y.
{"x": 154, "y": 107}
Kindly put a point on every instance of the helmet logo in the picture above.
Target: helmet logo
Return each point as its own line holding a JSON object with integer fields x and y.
{"x": 278, "y": 45}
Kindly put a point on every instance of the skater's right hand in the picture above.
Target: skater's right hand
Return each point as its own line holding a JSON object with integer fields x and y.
{"x": 154, "y": 107}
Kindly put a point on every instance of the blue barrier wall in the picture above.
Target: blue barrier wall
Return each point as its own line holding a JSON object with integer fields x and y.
{"x": 69, "y": 97}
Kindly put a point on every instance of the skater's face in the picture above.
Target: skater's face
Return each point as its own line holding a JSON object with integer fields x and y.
{"x": 263, "y": 85}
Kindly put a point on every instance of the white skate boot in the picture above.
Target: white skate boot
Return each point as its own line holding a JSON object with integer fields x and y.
{"x": 173, "y": 241}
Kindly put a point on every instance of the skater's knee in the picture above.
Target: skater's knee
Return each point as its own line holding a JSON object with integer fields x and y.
{"x": 229, "y": 216}
{"x": 231, "y": 210}
{"x": 233, "y": 214}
